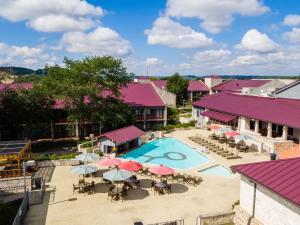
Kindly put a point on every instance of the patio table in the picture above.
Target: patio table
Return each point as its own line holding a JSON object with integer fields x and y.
{"x": 130, "y": 180}
{"x": 161, "y": 185}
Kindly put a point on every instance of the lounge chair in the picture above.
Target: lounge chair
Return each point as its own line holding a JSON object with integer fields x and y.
{"x": 168, "y": 188}
{"x": 233, "y": 157}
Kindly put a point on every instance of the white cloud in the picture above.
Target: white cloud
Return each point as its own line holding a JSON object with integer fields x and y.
{"x": 211, "y": 56}
{"x": 215, "y": 15}
{"x": 55, "y": 15}
{"x": 101, "y": 41}
{"x": 152, "y": 61}
{"x": 291, "y": 20}
{"x": 59, "y": 23}
{"x": 256, "y": 41}
{"x": 293, "y": 36}
{"x": 25, "y": 56}
{"x": 170, "y": 33}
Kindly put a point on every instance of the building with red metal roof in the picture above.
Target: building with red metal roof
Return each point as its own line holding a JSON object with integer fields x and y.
{"x": 160, "y": 83}
{"x": 238, "y": 85}
{"x": 270, "y": 191}
{"x": 123, "y": 139}
{"x": 197, "y": 89}
{"x": 272, "y": 117}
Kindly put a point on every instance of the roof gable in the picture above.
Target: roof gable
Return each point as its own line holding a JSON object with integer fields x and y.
{"x": 197, "y": 85}
{"x": 280, "y": 176}
{"x": 238, "y": 85}
{"x": 124, "y": 134}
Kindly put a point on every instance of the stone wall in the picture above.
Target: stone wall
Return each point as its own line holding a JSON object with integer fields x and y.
{"x": 215, "y": 218}
{"x": 62, "y": 162}
{"x": 283, "y": 145}
{"x": 14, "y": 185}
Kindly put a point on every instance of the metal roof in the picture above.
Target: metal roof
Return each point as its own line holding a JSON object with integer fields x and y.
{"x": 124, "y": 134}
{"x": 218, "y": 116}
{"x": 197, "y": 85}
{"x": 238, "y": 85}
{"x": 279, "y": 176}
{"x": 281, "y": 111}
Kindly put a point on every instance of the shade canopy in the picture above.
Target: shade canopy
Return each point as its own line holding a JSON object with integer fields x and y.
{"x": 232, "y": 133}
{"x": 214, "y": 126}
{"x": 116, "y": 175}
{"x": 130, "y": 166}
{"x": 161, "y": 170}
{"x": 84, "y": 169}
{"x": 218, "y": 116}
{"x": 87, "y": 157}
{"x": 109, "y": 161}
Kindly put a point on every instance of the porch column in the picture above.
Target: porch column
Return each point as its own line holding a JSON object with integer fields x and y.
{"x": 144, "y": 119}
{"x": 269, "y": 130}
{"x": 284, "y": 132}
{"x": 165, "y": 115}
{"x": 191, "y": 96}
{"x": 256, "y": 129}
{"x": 52, "y": 129}
{"x": 77, "y": 129}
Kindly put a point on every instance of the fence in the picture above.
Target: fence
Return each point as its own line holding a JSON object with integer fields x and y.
{"x": 174, "y": 222}
{"x": 20, "y": 217}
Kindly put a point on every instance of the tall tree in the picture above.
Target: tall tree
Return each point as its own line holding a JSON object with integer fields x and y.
{"x": 81, "y": 84}
{"x": 178, "y": 85}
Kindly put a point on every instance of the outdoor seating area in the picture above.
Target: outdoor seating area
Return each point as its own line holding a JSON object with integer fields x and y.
{"x": 219, "y": 145}
{"x": 121, "y": 177}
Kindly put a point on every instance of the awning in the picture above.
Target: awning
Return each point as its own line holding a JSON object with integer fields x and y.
{"x": 218, "y": 116}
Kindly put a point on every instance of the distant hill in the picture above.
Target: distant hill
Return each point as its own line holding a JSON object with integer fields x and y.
{"x": 18, "y": 71}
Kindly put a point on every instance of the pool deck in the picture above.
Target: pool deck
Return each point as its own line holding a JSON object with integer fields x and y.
{"x": 62, "y": 207}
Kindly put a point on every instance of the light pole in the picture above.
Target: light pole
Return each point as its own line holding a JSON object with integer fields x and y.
{"x": 24, "y": 175}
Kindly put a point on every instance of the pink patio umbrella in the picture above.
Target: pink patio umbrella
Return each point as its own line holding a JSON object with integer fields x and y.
{"x": 161, "y": 170}
{"x": 109, "y": 161}
{"x": 130, "y": 166}
{"x": 214, "y": 127}
{"x": 232, "y": 133}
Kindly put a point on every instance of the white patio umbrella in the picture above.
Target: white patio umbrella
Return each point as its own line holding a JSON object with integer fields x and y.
{"x": 85, "y": 157}
{"x": 84, "y": 169}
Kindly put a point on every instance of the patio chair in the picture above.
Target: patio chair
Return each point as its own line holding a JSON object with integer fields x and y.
{"x": 75, "y": 188}
{"x": 181, "y": 178}
{"x": 123, "y": 194}
{"x": 187, "y": 179}
{"x": 111, "y": 187}
{"x": 153, "y": 184}
{"x": 196, "y": 180}
{"x": 168, "y": 189}
{"x": 233, "y": 157}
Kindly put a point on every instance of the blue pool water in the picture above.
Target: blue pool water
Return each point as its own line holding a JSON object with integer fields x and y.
{"x": 169, "y": 152}
{"x": 218, "y": 171}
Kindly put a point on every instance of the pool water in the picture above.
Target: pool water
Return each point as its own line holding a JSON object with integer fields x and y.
{"x": 169, "y": 152}
{"x": 218, "y": 170}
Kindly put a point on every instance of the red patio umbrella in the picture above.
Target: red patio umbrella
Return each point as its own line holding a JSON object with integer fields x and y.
{"x": 214, "y": 126}
{"x": 161, "y": 170}
{"x": 130, "y": 166}
{"x": 232, "y": 133}
{"x": 109, "y": 161}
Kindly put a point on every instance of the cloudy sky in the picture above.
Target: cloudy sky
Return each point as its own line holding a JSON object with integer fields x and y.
{"x": 191, "y": 36}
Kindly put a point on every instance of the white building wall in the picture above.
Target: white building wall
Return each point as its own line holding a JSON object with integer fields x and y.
{"x": 104, "y": 141}
{"x": 270, "y": 209}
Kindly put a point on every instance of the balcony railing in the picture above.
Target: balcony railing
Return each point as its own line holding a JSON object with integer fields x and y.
{"x": 154, "y": 117}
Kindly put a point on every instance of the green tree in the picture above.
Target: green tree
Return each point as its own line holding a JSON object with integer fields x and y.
{"x": 178, "y": 85}
{"x": 173, "y": 116}
{"x": 84, "y": 86}
{"x": 23, "y": 109}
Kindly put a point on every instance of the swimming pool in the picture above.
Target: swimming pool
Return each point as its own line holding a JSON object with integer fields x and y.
{"x": 169, "y": 152}
{"x": 218, "y": 170}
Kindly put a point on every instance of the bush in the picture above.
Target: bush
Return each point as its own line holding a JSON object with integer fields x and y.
{"x": 47, "y": 145}
{"x": 44, "y": 157}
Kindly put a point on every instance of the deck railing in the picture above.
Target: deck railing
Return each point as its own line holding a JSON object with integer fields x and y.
{"x": 21, "y": 214}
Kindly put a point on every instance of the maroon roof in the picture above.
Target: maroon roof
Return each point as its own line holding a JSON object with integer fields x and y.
{"x": 197, "y": 85}
{"x": 140, "y": 95}
{"x": 160, "y": 83}
{"x": 218, "y": 116}
{"x": 281, "y": 111}
{"x": 238, "y": 85}
{"x": 280, "y": 176}
{"x": 124, "y": 134}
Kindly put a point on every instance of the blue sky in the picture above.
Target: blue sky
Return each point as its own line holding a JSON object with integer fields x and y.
{"x": 191, "y": 37}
